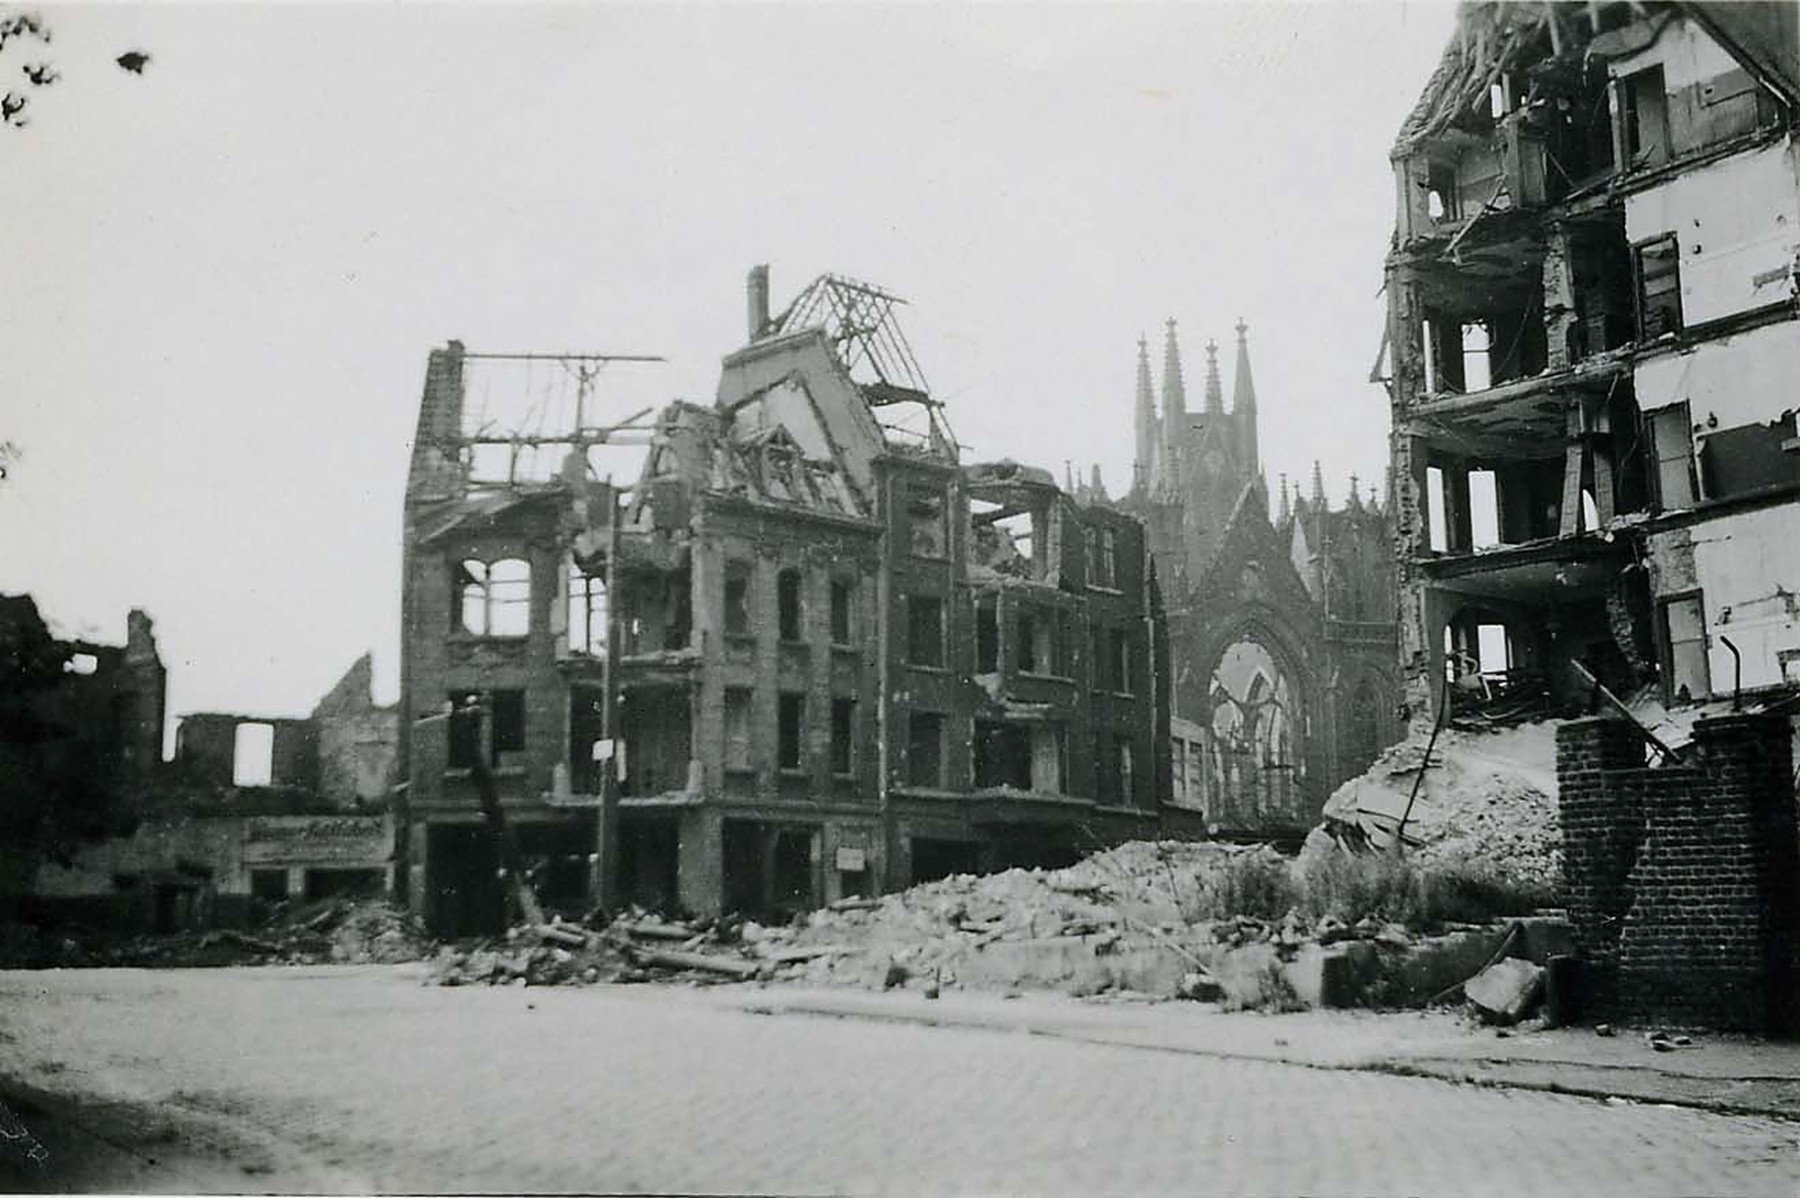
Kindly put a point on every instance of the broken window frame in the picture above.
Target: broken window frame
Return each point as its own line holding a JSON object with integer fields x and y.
{"x": 738, "y": 704}
{"x": 488, "y": 606}
{"x": 925, "y": 731}
{"x": 736, "y": 616}
{"x": 1122, "y": 768}
{"x": 1646, "y": 141}
{"x": 925, "y": 645}
{"x": 927, "y": 523}
{"x": 1688, "y": 650}
{"x": 1670, "y": 307}
{"x": 587, "y": 608}
{"x": 790, "y": 605}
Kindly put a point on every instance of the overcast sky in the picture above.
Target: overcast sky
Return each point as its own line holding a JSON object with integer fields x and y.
{"x": 219, "y": 281}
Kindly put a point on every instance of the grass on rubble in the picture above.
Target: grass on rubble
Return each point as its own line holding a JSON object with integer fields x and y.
{"x": 1351, "y": 887}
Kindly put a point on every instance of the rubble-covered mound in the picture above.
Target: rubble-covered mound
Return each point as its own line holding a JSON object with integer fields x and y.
{"x": 1487, "y": 799}
{"x": 329, "y": 931}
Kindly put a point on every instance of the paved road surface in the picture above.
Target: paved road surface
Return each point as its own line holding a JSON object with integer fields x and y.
{"x": 363, "y": 1079}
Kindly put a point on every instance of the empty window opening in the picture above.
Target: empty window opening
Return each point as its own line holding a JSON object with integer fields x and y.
{"x": 269, "y": 885}
{"x": 925, "y": 630}
{"x": 1441, "y": 199}
{"x": 1658, "y": 271}
{"x": 788, "y": 604}
{"x": 1436, "y": 513}
{"x": 1590, "y": 512}
{"x": 1477, "y": 359}
{"x": 1027, "y": 643}
{"x": 987, "y": 635}
{"x": 1687, "y": 674}
{"x": 1121, "y": 661}
{"x": 495, "y": 597}
{"x": 1122, "y": 759}
{"x": 843, "y": 730}
{"x": 925, "y": 521}
{"x": 1496, "y": 100}
{"x": 465, "y": 729}
{"x": 1646, "y": 115}
{"x": 253, "y": 754}
{"x": 1672, "y": 431}
{"x": 841, "y": 591}
{"x": 1484, "y": 508}
{"x": 790, "y": 732}
{"x": 1491, "y": 648}
{"x": 82, "y": 663}
{"x": 1002, "y": 755}
{"x": 737, "y": 598}
{"x": 508, "y": 723}
{"x": 925, "y": 749}
{"x": 1109, "y": 545}
{"x": 587, "y": 612}
{"x": 737, "y": 728}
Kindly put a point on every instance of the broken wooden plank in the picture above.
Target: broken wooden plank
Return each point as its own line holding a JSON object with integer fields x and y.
{"x": 657, "y": 931}
{"x": 734, "y": 967}
{"x": 558, "y": 934}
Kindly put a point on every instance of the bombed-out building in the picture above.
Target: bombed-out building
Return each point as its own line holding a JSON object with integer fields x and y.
{"x": 1592, "y": 353}
{"x": 251, "y": 811}
{"x": 841, "y": 659}
{"x": 1283, "y": 679}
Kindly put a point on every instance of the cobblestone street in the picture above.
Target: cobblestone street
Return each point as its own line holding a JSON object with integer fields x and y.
{"x": 362, "y": 1079}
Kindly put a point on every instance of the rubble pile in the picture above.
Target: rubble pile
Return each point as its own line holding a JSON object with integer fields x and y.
{"x": 636, "y": 947}
{"x": 1487, "y": 799}
{"x": 1042, "y": 928}
{"x": 330, "y": 931}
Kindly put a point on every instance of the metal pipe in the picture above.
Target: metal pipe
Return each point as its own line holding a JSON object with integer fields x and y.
{"x": 1737, "y": 673}
{"x": 1425, "y": 764}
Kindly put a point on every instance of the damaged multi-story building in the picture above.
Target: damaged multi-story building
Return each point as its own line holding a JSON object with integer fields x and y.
{"x": 1592, "y": 353}
{"x": 250, "y": 812}
{"x": 842, "y": 660}
{"x": 1281, "y": 627}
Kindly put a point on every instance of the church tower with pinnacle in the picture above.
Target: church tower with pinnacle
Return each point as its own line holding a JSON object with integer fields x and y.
{"x": 1284, "y": 678}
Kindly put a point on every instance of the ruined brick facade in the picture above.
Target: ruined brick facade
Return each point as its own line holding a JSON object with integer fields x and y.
{"x": 839, "y": 658}
{"x": 1683, "y": 881}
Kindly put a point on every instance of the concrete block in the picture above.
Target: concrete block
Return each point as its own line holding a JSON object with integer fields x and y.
{"x": 1506, "y": 990}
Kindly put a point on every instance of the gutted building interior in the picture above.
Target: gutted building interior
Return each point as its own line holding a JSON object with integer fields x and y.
{"x": 1595, "y": 213}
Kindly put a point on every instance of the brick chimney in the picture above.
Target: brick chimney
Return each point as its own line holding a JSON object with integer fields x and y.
{"x": 758, "y": 289}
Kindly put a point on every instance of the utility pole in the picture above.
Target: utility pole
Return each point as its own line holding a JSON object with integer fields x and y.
{"x": 606, "y": 882}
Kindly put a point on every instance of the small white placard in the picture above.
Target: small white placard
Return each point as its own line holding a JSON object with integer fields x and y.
{"x": 852, "y": 861}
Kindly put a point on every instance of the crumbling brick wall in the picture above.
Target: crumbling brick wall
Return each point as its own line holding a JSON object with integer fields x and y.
{"x": 1684, "y": 882}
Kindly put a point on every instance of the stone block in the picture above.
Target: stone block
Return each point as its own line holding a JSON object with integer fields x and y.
{"x": 1505, "y": 991}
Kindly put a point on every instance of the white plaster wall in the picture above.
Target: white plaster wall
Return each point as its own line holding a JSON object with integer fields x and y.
{"x": 1748, "y": 565}
{"x": 1752, "y": 378}
{"x": 1688, "y": 56}
{"x": 1738, "y": 225}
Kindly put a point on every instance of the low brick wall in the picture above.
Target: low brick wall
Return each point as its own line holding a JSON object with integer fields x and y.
{"x": 1684, "y": 882}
